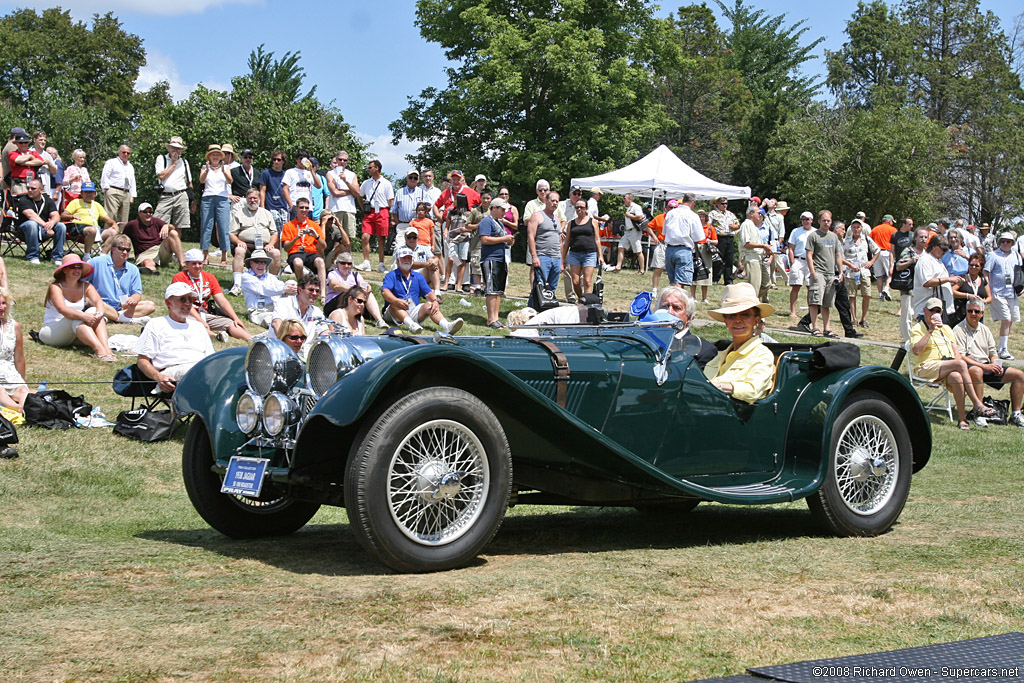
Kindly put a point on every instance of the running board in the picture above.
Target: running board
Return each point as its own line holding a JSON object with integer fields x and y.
{"x": 754, "y": 494}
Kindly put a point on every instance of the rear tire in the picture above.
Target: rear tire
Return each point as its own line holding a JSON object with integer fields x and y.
{"x": 870, "y": 462}
{"x": 236, "y": 516}
{"x": 428, "y": 484}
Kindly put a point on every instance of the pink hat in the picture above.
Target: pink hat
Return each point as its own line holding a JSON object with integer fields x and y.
{"x": 673, "y": 203}
{"x": 73, "y": 260}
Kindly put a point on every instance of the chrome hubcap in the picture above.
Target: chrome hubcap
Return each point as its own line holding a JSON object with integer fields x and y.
{"x": 437, "y": 482}
{"x": 867, "y": 465}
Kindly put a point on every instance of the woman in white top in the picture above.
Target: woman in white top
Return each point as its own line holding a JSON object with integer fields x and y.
{"x": 216, "y": 180}
{"x": 12, "y": 357}
{"x": 74, "y": 176}
{"x": 72, "y": 311}
{"x": 349, "y": 314}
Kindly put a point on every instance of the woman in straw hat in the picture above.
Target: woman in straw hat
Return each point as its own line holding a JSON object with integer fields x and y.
{"x": 215, "y": 177}
{"x": 744, "y": 369}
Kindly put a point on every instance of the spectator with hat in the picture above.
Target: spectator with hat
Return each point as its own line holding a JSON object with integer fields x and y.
{"x": 118, "y": 184}
{"x": 775, "y": 219}
{"x": 23, "y": 162}
{"x": 171, "y": 345}
{"x": 72, "y": 310}
{"x": 39, "y": 220}
{"x": 743, "y": 369}
{"x": 976, "y": 344}
{"x": 219, "y": 318}
{"x": 424, "y": 261}
{"x": 493, "y": 238}
{"x": 216, "y": 180}
{"x": 987, "y": 238}
{"x": 449, "y": 207}
{"x": 859, "y": 250}
{"x": 999, "y": 272}
{"x": 174, "y": 178}
{"x": 119, "y": 285}
{"x": 85, "y": 217}
{"x": 243, "y": 178}
{"x": 252, "y": 228}
{"x": 937, "y": 358}
{"x": 5, "y": 155}
{"x": 260, "y": 287}
{"x": 155, "y": 242}
{"x": 631, "y": 234}
{"x": 404, "y": 208}
{"x": 230, "y": 163}
{"x": 799, "y": 273}
{"x": 479, "y": 183}
{"x": 593, "y": 210}
{"x": 410, "y": 300}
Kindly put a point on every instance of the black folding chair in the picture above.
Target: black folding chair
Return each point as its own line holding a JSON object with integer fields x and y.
{"x": 130, "y": 382}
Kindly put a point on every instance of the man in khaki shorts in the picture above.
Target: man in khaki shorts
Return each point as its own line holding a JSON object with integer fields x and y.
{"x": 154, "y": 241}
{"x": 824, "y": 260}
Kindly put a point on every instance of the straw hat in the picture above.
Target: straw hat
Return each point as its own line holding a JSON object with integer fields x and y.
{"x": 211, "y": 149}
{"x": 227, "y": 148}
{"x": 738, "y": 298}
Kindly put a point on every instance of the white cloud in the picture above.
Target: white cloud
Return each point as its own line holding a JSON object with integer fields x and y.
{"x": 161, "y": 67}
{"x": 150, "y": 7}
{"x": 391, "y": 157}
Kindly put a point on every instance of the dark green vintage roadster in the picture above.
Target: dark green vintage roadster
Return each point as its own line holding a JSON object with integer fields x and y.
{"x": 427, "y": 443}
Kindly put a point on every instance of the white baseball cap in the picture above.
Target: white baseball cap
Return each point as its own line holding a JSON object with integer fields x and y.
{"x": 194, "y": 255}
{"x": 177, "y": 289}
{"x": 807, "y": 214}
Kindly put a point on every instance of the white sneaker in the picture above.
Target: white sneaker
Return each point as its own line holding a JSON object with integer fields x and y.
{"x": 454, "y": 326}
{"x": 139, "y": 321}
{"x": 980, "y": 421}
{"x": 381, "y": 268}
{"x": 382, "y": 324}
{"x": 364, "y": 266}
{"x": 415, "y": 328}
{"x": 1005, "y": 355}
{"x": 236, "y": 290}
{"x": 34, "y": 261}
{"x": 1017, "y": 419}
{"x": 222, "y": 336}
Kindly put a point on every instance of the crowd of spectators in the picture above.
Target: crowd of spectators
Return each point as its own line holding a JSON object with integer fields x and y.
{"x": 304, "y": 221}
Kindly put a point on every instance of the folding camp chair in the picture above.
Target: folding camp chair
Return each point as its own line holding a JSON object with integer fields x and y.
{"x": 941, "y": 402}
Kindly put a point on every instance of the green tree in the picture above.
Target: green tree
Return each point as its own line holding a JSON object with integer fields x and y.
{"x": 538, "y": 90}
{"x": 283, "y": 76}
{"x": 100, "y": 63}
{"x": 769, "y": 54}
{"x": 706, "y": 101}
{"x": 872, "y": 67}
{"x": 849, "y": 160}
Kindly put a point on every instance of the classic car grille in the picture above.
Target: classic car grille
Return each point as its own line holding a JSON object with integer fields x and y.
{"x": 323, "y": 372}
{"x": 259, "y": 369}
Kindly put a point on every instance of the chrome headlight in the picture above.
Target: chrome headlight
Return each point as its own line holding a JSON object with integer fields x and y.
{"x": 271, "y": 365}
{"x": 248, "y": 412}
{"x": 332, "y": 357}
{"x": 279, "y": 412}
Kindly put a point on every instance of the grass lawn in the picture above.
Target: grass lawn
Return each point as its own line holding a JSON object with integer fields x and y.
{"x": 107, "y": 573}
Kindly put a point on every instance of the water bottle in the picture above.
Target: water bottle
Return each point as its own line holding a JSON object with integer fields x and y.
{"x": 42, "y": 387}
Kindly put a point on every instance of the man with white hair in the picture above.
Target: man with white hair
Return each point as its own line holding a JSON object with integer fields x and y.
{"x": 631, "y": 236}
{"x": 978, "y": 347}
{"x": 170, "y": 345}
{"x": 999, "y": 272}
{"x": 410, "y": 299}
{"x": 678, "y": 302}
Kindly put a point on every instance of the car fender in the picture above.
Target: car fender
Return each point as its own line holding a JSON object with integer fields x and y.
{"x": 813, "y": 419}
{"x": 209, "y": 390}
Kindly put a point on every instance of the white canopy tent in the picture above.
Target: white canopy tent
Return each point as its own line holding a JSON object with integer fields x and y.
{"x": 661, "y": 175}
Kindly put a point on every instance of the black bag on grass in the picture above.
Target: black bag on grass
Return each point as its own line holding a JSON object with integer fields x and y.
{"x": 143, "y": 424}
{"x": 56, "y": 409}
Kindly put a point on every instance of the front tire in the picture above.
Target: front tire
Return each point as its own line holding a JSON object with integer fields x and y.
{"x": 428, "y": 484}
{"x": 236, "y": 516}
{"x": 870, "y": 463}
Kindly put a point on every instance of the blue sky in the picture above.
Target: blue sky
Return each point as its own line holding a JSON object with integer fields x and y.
{"x": 347, "y": 46}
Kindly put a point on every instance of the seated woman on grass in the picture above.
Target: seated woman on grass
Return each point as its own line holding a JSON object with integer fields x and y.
{"x": 13, "y": 389}
{"x": 73, "y": 310}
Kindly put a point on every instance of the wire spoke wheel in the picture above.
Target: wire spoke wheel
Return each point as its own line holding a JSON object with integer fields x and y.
{"x": 870, "y": 464}
{"x": 437, "y": 482}
{"x": 867, "y": 465}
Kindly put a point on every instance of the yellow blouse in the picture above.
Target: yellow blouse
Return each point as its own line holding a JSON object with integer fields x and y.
{"x": 749, "y": 369}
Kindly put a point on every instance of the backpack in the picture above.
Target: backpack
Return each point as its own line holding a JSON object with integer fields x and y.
{"x": 55, "y": 409}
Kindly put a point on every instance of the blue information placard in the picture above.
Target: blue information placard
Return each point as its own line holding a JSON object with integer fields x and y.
{"x": 245, "y": 476}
